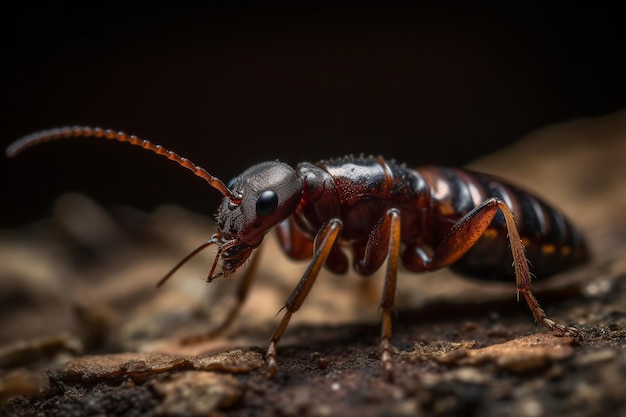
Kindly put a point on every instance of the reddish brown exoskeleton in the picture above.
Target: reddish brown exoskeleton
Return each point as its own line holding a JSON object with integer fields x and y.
{"x": 385, "y": 213}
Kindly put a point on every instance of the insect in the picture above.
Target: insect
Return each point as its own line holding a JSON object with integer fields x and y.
{"x": 385, "y": 214}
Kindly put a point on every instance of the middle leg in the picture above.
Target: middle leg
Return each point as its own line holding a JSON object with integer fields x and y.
{"x": 384, "y": 244}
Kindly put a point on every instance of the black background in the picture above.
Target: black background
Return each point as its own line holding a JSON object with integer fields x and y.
{"x": 230, "y": 86}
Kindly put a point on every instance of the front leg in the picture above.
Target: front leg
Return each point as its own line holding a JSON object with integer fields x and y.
{"x": 298, "y": 245}
{"x": 326, "y": 237}
{"x": 240, "y": 297}
{"x": 464, "y": 234}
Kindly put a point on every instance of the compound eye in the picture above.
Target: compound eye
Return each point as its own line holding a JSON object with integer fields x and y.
{"x": 266, "y": 203}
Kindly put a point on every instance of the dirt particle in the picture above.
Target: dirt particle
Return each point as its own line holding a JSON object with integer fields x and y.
{"x": 196, "y": 393}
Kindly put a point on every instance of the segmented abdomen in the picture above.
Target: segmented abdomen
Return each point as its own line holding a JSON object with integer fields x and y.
{"x": 552, "y": 243}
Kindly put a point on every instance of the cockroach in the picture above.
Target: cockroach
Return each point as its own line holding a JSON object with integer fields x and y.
{"x": 385, "y": 213}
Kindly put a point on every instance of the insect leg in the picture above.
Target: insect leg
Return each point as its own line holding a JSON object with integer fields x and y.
{"x": 298, "y": 245}
{"x": 327, "y": 236}
{"x": 464, "y": 235}
{"x": 295, "y": 244}
{"x": 523, "y": 277}
{"x": 392, "y": 225}
{"x": 240, "y": 297}
{"x": 383, "y": 244}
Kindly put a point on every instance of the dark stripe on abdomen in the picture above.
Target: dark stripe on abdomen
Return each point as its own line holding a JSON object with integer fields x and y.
{"x": 552, "y": 244}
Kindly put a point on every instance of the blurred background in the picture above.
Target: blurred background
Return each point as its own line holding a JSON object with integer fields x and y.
{"x": 231, "y": 86}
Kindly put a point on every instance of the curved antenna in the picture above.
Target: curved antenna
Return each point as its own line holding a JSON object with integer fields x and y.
{"x": 85, "y": 131}
{"x": 183, "y": 261}
{"x": 215, "y": 240}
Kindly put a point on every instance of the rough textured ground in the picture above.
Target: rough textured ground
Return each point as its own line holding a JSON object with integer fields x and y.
{"x": 83, "y": 331}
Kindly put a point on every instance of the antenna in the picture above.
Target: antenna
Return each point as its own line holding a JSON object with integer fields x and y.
{"x": 84, "y": 131}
